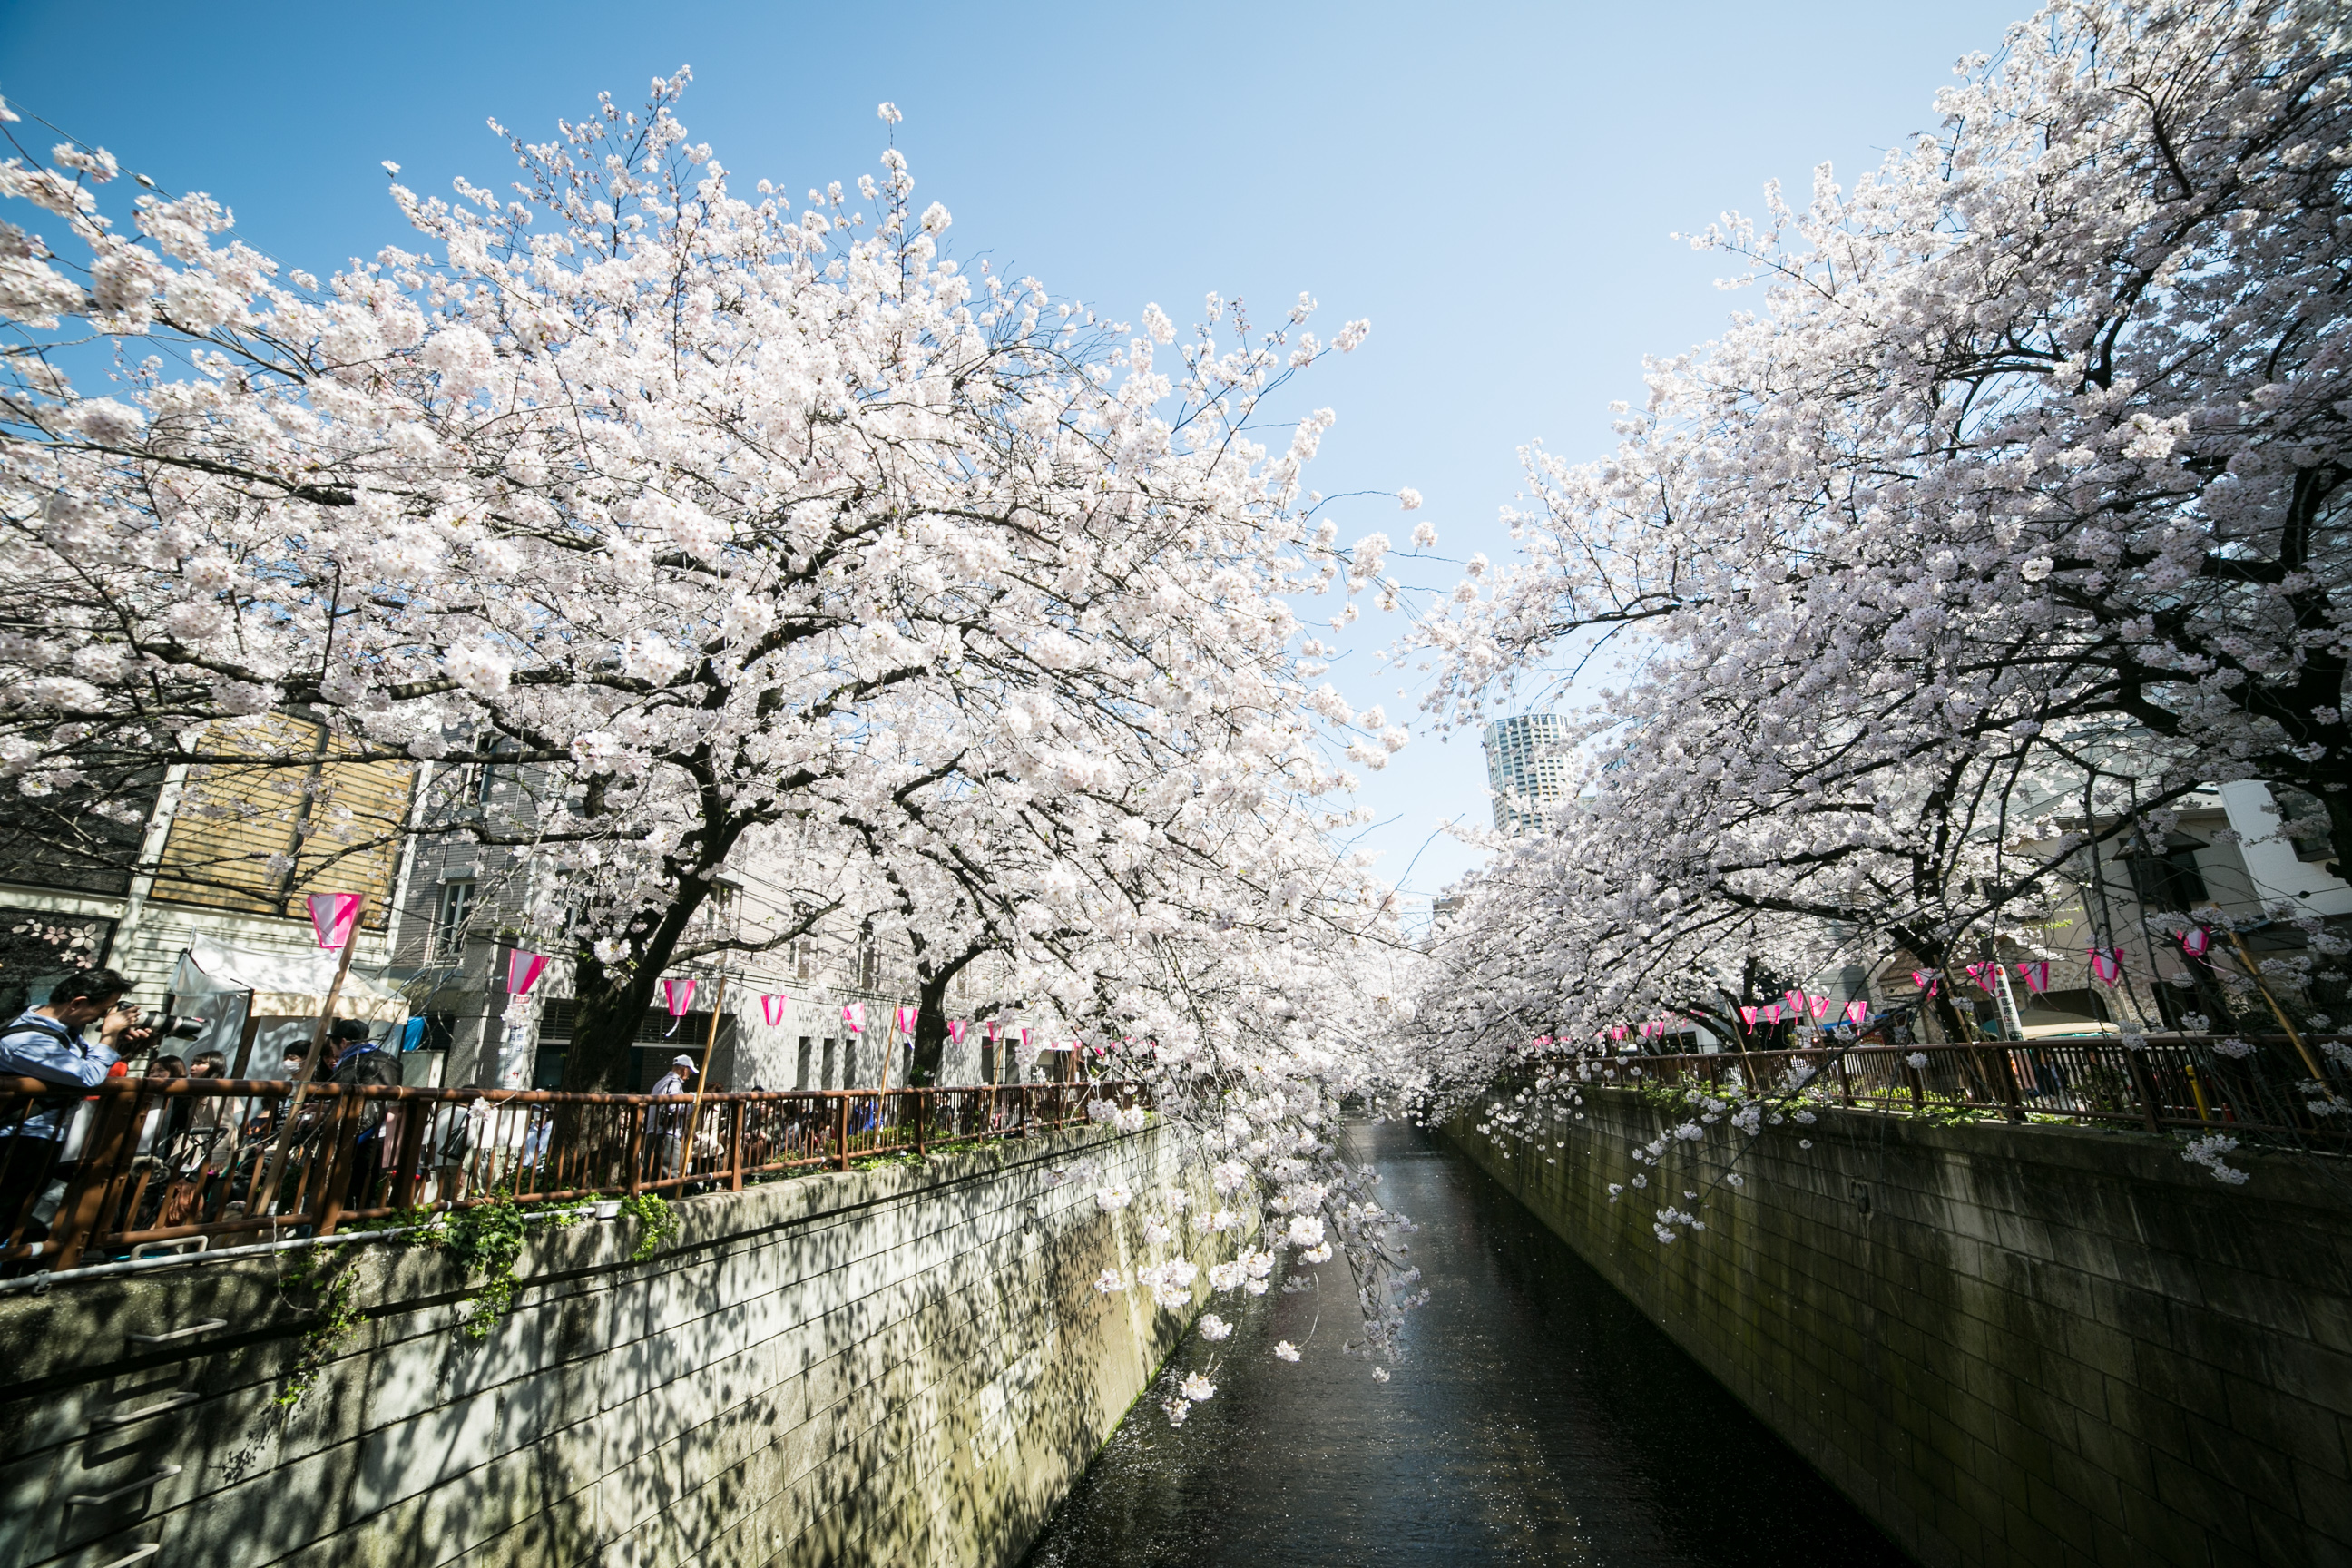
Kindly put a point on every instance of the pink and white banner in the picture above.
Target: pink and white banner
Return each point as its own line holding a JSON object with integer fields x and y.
{"x": 332, "y": 915}
{"x": 1926, "y": 980}
{"x": 2196, "y": 940}
{"x": 2035, "y": 974}
{"x": 773, "y": 1009}
{"x": 994, "y": 1028}
{"x": 1795, "y": 1003}
{"x": 905, "y": 1020}
{"x": 956, "y": 1027}
{"x": 1771, "y": 1011}
{"x": 1748, "y": 1014}
{"x": 677, "y": 995}
{"x": 523, "y": 970}
{"x": 854, "y": 1014}
{"x": 1820, "y": 1007}
{"x": 1985, "y": 974}
{"x": 1857, "y": 1012}
{"x": 2108, "y": 963}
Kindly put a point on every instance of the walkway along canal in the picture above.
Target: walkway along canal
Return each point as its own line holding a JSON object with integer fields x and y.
{"x": 1538, "y": 1419}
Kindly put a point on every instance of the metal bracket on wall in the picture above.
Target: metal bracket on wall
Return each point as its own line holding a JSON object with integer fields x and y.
{"x": 207, "y": 1326}
{"x": 162, "y": 1473}
{"x": 125, "y": 1417}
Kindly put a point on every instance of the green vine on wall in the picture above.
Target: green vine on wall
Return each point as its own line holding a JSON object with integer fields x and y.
{"x": 487, "y": 1239}
{"x": 332, "y": 1299}
{"x": 656, "y": 1220}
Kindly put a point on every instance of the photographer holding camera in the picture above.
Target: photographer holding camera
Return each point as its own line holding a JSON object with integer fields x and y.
{"x": 46, "y": 1043}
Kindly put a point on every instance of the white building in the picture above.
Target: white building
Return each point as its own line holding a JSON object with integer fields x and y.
{"x": 1527, "y": 769}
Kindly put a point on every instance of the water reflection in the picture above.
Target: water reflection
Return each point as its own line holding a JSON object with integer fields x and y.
{"x": 1540, "y": 1419}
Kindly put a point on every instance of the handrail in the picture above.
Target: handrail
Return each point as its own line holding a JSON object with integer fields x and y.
{"x": 2169, "y": 1082}
{"x": 152, "y": 1159}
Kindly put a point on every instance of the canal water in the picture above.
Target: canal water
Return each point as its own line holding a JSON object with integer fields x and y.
{"x": 1536, "y": 1419}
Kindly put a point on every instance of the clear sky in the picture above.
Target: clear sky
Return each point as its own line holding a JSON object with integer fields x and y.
{"x": 1493, "y": 186}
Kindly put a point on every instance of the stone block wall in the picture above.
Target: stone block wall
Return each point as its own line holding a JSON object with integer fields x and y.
{"x": 2031, "y": 1345}
{"x": 901, "y": 1365}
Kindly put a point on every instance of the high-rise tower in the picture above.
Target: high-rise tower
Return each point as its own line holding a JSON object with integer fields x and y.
{"x": 1526, "y": 767}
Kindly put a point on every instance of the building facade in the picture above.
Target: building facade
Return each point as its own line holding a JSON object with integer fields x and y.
{"x": 1527, "y": 769}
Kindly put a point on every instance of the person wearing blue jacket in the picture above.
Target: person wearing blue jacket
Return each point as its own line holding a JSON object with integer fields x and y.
{"x": 46, "y": 1043}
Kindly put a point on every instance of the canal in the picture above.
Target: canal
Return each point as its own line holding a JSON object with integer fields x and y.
{"x": 1536, "y": 1419}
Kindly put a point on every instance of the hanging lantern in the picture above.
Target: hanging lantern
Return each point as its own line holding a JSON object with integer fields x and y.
{"x": 332, "y": 916}
{"x": 677, "y": 995}
{"x": 2108, "y": 963}
{"x": 772, "y": 1009}
{"x": 1857, "y": 1012}
{"x": 2196, "y": 940}
{"x": 1926, "y": 980}
{"x": 905, "y": 1020}
{"x": 956, "y": 1027}
{"x": 2036, "y": 975}
{"x": 523, "y": 970}
{"x": 854, "y": 1014}
{"x": 1747, "y": 1014}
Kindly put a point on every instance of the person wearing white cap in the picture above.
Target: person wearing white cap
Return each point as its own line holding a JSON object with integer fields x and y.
{"x": 668, "y": 1121}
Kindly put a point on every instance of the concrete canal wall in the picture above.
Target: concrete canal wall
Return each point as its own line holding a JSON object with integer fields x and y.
{"x": 2009, "y": 1345}
{"x": 901, "y": 1365}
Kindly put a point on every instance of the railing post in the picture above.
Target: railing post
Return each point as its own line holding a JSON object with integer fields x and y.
{"x": 414, "y": 1118}
{"x": 735, "y": 1162}
{"x": 919, "y": 1119}
{"x": 841, "y": 1134}
{"x": 637, "y": 1115}
{"x": 2144, "y": 1085}
{"x": 1845, "y": 1083}
{"x": 341, "y": 1158}
{"x": 1918, "y": 1077}
{"x": 84, "y": 1203}
{"x": 2013, "y": 1107}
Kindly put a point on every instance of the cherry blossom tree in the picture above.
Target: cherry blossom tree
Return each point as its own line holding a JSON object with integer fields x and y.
{"x": 2023, "y": 487}
{"x": 779, "y": 539}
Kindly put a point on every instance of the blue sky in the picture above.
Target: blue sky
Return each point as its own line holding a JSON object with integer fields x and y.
{"x": 1492, "y": 186}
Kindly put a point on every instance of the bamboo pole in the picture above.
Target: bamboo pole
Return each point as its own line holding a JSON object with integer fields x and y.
{"x": 2254, "y": 974}
{"x": 309, "y": 1066}
{"x": 701, "y": 1082}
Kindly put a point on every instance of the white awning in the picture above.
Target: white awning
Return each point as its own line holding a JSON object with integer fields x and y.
{"x": 284, "y": 985}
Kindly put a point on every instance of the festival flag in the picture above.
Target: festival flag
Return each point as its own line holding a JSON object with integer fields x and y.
{"x": 854, "y": 1014}
{"x": 773, "y": 1007}
{"x": 956, "y": 1027}
{"x": 2196, "y": 940}
{"x": 2035, "y": 974}
{"x": 332, "y": 915}
{"x": 1857, "y": 1012}
{"x": 523, "y": 970}
{"x": 1926, "y": 980}
{"x": 2108, "y": 963}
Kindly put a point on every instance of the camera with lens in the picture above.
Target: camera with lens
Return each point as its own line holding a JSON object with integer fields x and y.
{"x": 174, "y": 1025}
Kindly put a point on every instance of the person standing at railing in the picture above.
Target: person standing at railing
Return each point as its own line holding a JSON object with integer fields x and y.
{"x": 665, "y": 1124}
{"x": 46, "y": 1043}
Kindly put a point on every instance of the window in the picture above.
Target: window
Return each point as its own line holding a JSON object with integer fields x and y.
{"x": 449, "y": 919}
{"x": 2306, "y": 817}
{"x": 479, "y": 780}
{"x": 805, "y": 957}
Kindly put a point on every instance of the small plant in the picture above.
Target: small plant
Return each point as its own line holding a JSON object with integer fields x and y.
{"x": 656, "y": 1220}
{"x": 338, "y": 1318}
{"x": 487, "y": 1239}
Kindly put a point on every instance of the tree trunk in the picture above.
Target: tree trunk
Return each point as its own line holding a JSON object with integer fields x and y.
{"x": 611, "y": 1008}
{"x": 931, "y": 1033}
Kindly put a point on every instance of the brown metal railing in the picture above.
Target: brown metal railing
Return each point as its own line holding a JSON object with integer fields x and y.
{"x": 2176, "y": 1081}
{"x": 146, "y": 1162}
